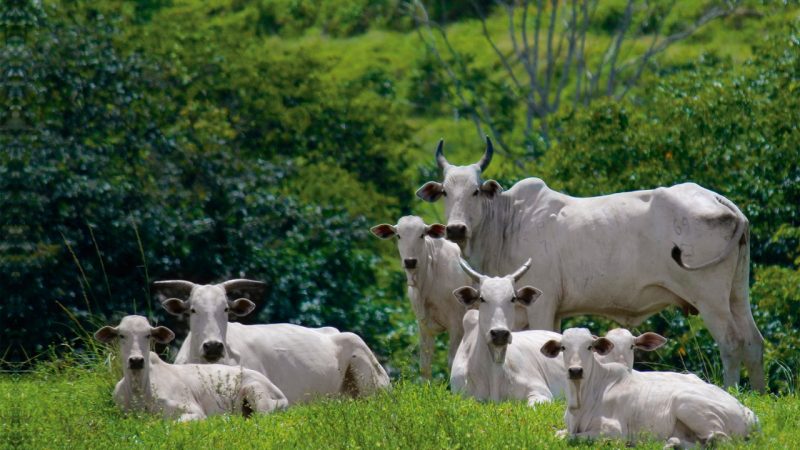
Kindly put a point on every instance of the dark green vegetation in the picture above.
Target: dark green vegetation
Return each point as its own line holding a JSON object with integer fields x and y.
{"x": 73, "y": 408}
{"x": 207, "y": 140}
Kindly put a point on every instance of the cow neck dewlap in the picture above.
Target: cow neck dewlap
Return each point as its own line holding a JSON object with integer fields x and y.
{"x": 489, "y": 245}
{"x": 585, "y": 397}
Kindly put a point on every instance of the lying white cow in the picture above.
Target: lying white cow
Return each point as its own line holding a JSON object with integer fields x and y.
{"x": 611, "y": 400}
{"x": 624, "y": 256}
{"x": 303, "y": 362}
{"x": 625, "y": 343}
{"x": 432, "y": 273}
{"x": 494, "y": 363}
{"x": 184, "y": 392}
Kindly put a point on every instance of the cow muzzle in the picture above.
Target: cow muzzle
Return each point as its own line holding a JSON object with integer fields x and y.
{"x": 212, "y": 350}
{"x": 575, "y": 373}
{"x": 410, "y": 263}
{"x": 500, "y": 336}
{"x": 136, "y": 363}
{"x": 456, "y": 232}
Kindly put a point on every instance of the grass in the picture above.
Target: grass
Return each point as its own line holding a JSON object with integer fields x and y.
{"x": 71, "y": 407}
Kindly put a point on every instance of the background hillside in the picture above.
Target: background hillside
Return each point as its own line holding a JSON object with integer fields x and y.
{"x": 206, "y": 140}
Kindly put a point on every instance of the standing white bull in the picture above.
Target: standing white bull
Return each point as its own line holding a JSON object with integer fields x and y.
{"x": 184, "y": 392}
{"x": 304, "y": 363}
{"x": 611, "y": 400}
{"x": 624, "y": 256}
{"x": 493, "y": 363}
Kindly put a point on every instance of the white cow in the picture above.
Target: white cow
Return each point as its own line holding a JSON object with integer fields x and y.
{"x": 625, "y": 343}
{"x": 184, "y": 392}
{"x": 494, "y": 363}
{"x": 624, "y": 256}
{"x": 611, "y": 400}
{"x": 432, "y": 273}
{"x": 304, "y": 363}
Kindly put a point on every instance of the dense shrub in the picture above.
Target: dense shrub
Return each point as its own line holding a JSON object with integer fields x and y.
{"x": 173, "y": 165}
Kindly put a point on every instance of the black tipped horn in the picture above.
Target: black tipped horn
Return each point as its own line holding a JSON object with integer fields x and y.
{"x": 470, "y": 271}
{"x": 521, "y": 271}
{"x": 487, "y": 155}
{"x": 440, "y": 159}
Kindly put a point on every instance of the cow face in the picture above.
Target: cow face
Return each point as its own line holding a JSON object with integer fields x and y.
{"x": 465, "y": 195}
{"x": 578, "y": 347}
{"x": 625, "y": 343}
{"x": 411, "y": 232}
{"x": 497, "y": 303}
{"x": 208, "y": 309}
{"x": 134, "y": 334}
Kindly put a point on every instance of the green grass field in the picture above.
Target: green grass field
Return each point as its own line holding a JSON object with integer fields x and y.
{"x": 73, "y": 408}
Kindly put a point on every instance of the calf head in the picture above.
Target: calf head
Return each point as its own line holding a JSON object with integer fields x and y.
{"x": 411, "y": 232}
{"x": 625, "y": 343}
{"x": 208, "y": 308}
{"x": 497, "y": 299}
{"x": 134, "y": 335}
{"x": 465, "y": 195}
{"x": 578, "y": 347}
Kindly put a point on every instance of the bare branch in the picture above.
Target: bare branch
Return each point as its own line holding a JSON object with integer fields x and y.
{"x": 623, "y": 29}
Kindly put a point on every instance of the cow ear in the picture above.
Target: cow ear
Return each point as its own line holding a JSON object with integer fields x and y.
{"x": 435, "y": 230}
{"x": 602, "y": 346}
{"x": 176, "y": 307}
{"x": 527, "y": 295}
{"x": 467, "y": 295}
{"x": 162, "y": 335}
{"x": 241, "y": 307}
{"x": 551, "y": 348}
{"x": 491, "y": 188}
{"x": 430, "y": 191}
{"x": 106, "y": 334}
{"x": 384, "y": 230}
{"x": 649, "y": 341}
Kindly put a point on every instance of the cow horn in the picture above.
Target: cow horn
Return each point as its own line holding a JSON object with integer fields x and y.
{"x": 470, "y": 271}
{"x": 441, "y": 161}
{"x": 241, "y": 284}
{"x": 521, "y": 271}
{"x": 173, "y": 288}
{"x": 487, "y": 155}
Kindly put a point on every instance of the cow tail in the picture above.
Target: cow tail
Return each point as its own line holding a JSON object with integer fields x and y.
{"x": 736, "y": 239}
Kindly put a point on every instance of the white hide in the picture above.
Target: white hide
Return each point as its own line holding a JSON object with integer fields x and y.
{"x": 616, "y": 255}
{"x": 431, "y": 282}
{"x": 514, "y": 370}
{"x": 611, "y": 400}
{"x": 305, "y": 363}
{"x": 183, "y": 392}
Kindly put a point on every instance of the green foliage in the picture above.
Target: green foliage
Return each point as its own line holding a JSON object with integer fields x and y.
{"x": 172, "y": 166}
{"x": 408, "y": 416}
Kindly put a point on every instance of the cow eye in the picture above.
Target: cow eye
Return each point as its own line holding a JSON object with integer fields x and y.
{"x": 226, "y": 309}
{"x": 482, "y": 300}
{"x": 444, "y": 193}
{"x": 476, "y": 192}
{"x": 192, "y": 311}
{"x": 398, "y": 237}
{"x": 513, "y": 299}
{"x": 590, "y": 347}
{"x": 563, "y": 348}
{"x": 422, "y": 236}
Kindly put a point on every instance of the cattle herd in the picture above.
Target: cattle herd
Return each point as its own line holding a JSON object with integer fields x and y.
{"x": 498, "y": 278}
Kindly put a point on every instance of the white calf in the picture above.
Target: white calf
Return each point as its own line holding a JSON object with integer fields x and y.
{"x": 611, "y": 400}
{"x": 493, "y": 363}
{"x": 185, "y": 392}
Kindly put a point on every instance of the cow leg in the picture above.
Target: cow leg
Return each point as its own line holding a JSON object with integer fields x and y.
{"x": 363, "y": 373}
{"x": 719, "y": 321}
{"x": 454, "y": 340}
{"x": 701, "y": 423}
{"x": 263, "y": 399}
{"x": 427, "y": 342}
